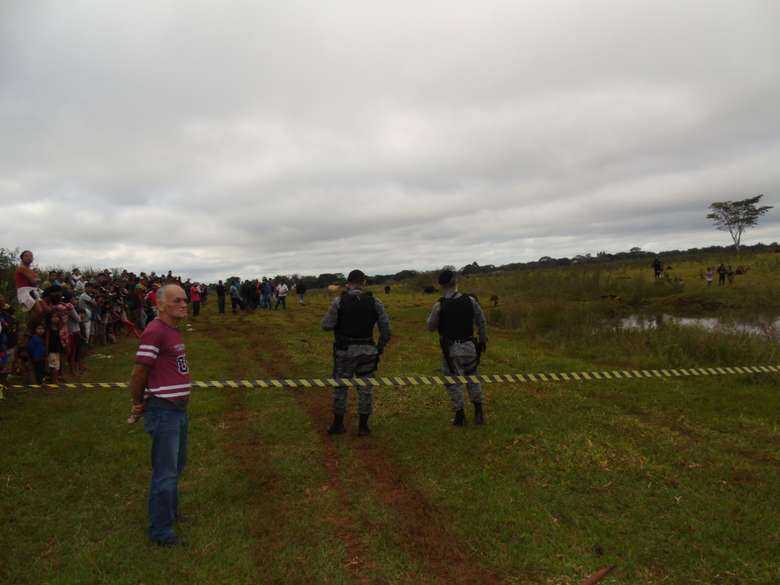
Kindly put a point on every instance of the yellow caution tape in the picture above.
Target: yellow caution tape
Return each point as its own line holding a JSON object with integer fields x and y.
{"x": 415, "y": 380}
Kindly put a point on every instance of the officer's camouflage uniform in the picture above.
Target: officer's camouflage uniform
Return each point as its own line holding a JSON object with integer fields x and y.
{"x": 356, "y": 355}
{"x": 462, "y": 358}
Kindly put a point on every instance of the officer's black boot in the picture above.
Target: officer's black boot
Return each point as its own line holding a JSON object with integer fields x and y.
{"x": 479, "y": 416}
{"x": 363, "y": 429}
{"x": 337, "y": 428}
{"x": 460, "y": 418}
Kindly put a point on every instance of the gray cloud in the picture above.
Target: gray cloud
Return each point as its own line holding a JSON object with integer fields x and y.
{"x": 260, "y": 137}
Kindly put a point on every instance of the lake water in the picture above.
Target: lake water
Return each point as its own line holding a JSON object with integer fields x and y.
{"x": 766, "y": 327}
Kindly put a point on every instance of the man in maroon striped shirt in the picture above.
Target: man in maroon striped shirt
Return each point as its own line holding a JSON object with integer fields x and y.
{"x": 160, "y": 389}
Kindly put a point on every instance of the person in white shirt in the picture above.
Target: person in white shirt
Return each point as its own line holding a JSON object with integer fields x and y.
{"x": 87, "y": 304}
{"x": 281, "y": 295}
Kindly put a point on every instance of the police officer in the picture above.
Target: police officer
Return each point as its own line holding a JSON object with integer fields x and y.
{"x": 352, "y": 317}
{"x": 454, "y": 316}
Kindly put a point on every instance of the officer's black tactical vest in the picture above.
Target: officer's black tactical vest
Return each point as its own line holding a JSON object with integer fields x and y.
{"x": 357, "y": 316}
{"x": 456, "y": 318}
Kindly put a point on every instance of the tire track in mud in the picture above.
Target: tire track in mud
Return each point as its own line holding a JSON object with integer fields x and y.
{"x": 245, "y": 445}
{"x": 419, "y": 528}
{"x": 344, "y": 526}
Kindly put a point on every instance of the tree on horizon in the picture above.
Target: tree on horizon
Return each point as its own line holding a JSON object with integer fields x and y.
{"x": 737, "y": 216}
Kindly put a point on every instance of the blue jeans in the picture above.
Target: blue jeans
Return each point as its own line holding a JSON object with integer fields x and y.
{"x": 168, "y": 429}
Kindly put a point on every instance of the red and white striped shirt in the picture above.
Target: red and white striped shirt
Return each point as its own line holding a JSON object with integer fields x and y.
{"x": 162, "y": 349}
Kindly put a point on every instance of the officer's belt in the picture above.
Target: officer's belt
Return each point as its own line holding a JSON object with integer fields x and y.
{"x": 447, "y": 341}
{"x": 344, "y": 342}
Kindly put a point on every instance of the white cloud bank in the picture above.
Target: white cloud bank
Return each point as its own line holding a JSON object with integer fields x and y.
{"x": 266, "y": 137}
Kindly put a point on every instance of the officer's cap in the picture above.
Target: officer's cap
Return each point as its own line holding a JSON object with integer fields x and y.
{"x": 356, "y": 277}
{"x": 446, "y": 277}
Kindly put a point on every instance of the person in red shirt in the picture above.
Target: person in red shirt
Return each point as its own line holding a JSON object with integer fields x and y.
{"x": 195, "y": 299}
{"x": 160, "y": 390}
{"x": 151, "y": 296}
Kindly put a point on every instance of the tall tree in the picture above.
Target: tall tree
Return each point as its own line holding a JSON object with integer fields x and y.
{"x": 735, "y": 217}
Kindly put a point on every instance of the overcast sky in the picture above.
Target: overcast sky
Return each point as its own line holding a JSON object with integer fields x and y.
{"x": 254, "y": 138}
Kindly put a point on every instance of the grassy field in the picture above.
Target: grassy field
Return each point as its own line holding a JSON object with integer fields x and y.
{"x": 620, "y": 288}
{"x": 671, "y": 480}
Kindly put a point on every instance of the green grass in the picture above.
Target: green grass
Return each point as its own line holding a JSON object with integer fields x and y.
{"x": 564, "y": 297}
{"x": 673, "y": 481}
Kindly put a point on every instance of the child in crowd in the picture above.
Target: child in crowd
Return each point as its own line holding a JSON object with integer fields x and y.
{"x": 21, "y": 363}
{"x": 56, "y": 348}
{"x": 709, "y": 275}
{"x": 82, "y": 342}
{"x": 37, "y": 352}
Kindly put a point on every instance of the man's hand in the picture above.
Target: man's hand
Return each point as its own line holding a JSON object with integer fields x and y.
{"x": 136, "y": 413}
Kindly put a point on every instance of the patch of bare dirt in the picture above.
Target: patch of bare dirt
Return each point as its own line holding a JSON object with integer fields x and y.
{"x": 420, "y": 528}
{"x": 344, "y": 525}
{"x": 423, "y": 530}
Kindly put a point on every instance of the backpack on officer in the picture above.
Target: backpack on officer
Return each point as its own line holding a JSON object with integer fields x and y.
{"x": 352, "y": 317}
{"x": 454, "y": 316}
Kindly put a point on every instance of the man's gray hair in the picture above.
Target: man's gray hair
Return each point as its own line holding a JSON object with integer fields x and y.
{"x": 162, "y": 292}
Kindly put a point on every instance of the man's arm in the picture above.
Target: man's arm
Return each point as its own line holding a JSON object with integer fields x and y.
{"x": 479, "y": 318}
{"x": 331, "y": 318}
{"x": 383, "y": 322}
{"x": 138, "y": 380}
{"x": 433, "y": 318}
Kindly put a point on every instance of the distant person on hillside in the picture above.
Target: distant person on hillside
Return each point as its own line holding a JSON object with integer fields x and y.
{"x": 27, "y": 292}
{"x": 300, "y": 290}
{"x": 657, "y": 267}
{"x": 195, "y": 299}
{"x": 221, "y": 297}
{"x": 352, "y": 317}
{"x": 235, "y": 298}
{"x": 160, "y": 391}
{"x": 722, "y": 275}
{"x": 730, "y": 274}
{"x": 265, "y": 294}
{"x": 709, "y": 275}
{"x": 281, "y": 295}
{"x": 454, "y": 316}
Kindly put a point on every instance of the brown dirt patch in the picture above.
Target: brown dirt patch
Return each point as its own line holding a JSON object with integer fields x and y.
{"x": 249, "y": 452}
{"x": 421, "y": 529}
{"x": 243, "y": 442}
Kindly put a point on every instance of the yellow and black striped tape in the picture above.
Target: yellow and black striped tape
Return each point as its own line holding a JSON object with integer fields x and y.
{"x": 417, "y": 380}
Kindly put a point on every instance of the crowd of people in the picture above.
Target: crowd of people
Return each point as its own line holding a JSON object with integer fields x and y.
{"x": 256, "y": 294}
{"x": 68, "y": 313}
{"x": 726, "y": 274}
